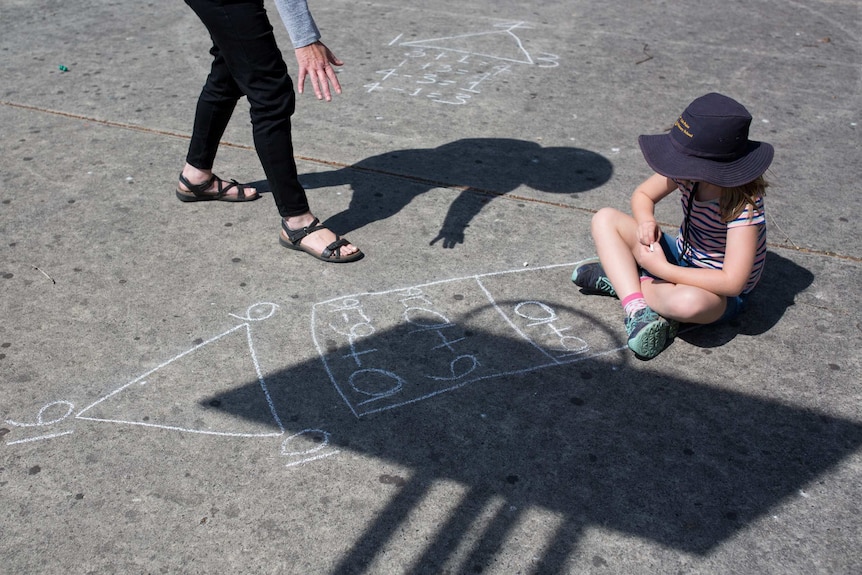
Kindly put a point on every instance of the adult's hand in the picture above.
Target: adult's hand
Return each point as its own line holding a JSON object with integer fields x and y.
{"x": 316, "y": 61}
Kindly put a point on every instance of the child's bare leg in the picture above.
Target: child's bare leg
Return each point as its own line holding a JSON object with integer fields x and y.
{"x": 687, "y": 304}
{"x": 615, "y": 236}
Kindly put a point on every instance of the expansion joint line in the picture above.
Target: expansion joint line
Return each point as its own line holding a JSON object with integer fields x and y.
{"x": 413, "y": 179}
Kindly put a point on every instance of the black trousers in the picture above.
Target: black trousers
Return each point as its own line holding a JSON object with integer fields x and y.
{"x": 247, "y": 62}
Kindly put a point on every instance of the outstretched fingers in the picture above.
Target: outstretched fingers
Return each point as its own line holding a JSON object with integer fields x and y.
{"x": 316, "y": 63}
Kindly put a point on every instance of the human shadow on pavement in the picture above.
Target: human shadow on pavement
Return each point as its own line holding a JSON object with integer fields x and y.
{"x": 783, "y": 280}
{"x": 482, "y": 168}
{"x": 593, "y": 441}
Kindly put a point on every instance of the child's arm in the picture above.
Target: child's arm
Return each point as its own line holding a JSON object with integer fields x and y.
{"x": 644, "y": 199}
{"x": 728, "y": 281}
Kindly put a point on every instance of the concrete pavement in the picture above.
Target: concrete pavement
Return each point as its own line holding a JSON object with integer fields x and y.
{"x": 179, "y": 394}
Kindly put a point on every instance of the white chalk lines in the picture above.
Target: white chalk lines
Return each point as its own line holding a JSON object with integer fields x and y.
{"x": 384, "y": 350}
{"x": 380, "y": 351}
{"x": 306, "y": 445}
{"x": 454, "y": 69}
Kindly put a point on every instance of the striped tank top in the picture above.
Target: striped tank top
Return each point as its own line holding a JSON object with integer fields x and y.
{"x": 708, "y": 235}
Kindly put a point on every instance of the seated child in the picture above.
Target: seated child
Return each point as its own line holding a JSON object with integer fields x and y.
{"x": 704, "y": 274}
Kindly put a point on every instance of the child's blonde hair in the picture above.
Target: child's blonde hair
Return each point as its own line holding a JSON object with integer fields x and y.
{"x": 734, "y": 200}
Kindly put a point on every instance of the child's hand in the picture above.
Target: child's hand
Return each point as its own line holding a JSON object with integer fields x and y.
{"x": 649, "y": 232}
{"x": 651, "y": 258}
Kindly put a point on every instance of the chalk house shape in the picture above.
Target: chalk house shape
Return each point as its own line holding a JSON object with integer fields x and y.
{"x": 187, "y": 392}
{"x": 500, "y": 44}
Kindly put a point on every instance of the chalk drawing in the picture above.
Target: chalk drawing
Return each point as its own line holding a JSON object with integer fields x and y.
{"x": 142, "y": 394}
{"x": 454, "y": 69}
{"x": 380, "y": 350}
{"x": 40, "y": 417}
{"x": 146, "y": 395}
{"x": 41, "y": 422}
{"x": 487, "y": 44}
{"x": 307, "y": 445}
{"x": 440, "y": 336}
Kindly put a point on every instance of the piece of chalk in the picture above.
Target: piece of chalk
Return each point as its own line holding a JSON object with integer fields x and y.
{"x": 651, "y": 248}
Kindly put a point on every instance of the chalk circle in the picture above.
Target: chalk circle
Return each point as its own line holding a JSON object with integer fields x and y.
{"x": 360, "y": 330}
{"x": 69, "y": 409}
{"x": 375, "y": 382}
{"x": 577, "y": 346}
{"x": 530, "y": 313}
{"x": 258, "y": 312}
{"x": 40, "y": 417}
{"x": 474, "y": 363}
{"x": 421, "y": 317}
{"x": 295, "y": 444}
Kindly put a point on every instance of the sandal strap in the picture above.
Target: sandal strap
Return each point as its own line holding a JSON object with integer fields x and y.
{"x": 197, "y": 189}
{"x": 334, "y": 247}
{"x": 222, "y": 190}
{"x": 295, "y": 236}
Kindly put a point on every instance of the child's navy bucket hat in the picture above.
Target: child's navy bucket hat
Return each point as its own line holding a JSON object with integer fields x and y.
{"x": 709, "y": 143}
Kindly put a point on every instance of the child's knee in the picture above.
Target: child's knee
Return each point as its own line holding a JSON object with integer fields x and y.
{"x": 603, "y": 220}
{"x": 695, "y": 306}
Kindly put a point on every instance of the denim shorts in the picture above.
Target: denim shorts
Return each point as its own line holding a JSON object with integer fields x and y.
{"x": 735, "y": 305}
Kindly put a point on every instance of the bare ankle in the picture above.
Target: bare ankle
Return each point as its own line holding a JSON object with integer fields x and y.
{"x": 196, "y": 175}
{"x": 300, "y": 221}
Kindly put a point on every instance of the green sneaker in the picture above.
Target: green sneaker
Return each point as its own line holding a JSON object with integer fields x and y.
{"x": 647, "y": 332}
{"x": 672, "y": 330}
{"x": 590, "y": 276}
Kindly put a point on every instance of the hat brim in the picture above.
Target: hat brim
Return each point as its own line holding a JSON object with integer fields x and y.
{"x": 666, "y": 160}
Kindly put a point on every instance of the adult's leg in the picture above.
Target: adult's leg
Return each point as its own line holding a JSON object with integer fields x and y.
{"x": 247, "y": 48}
{"x": 215, "y": 107}
{"x": 243, "y": 33}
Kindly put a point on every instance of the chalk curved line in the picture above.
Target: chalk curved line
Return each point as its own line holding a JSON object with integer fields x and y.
{"x": 837, "y": 23}
{"x": 515, "y": 328}
{"x": 326, "y": 435}
{"x": 538, "y": 320}
{"x": 272, "y": 308}
{"x": 399, "y": 381}
{"x": 39, "y": 422}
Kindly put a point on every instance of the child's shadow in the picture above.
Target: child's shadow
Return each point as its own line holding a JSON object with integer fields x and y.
{"x": 489, "y": 166}
{"x": 782, "y": 281}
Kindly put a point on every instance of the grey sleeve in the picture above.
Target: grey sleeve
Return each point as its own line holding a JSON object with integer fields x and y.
{"x": 298, "y": 21}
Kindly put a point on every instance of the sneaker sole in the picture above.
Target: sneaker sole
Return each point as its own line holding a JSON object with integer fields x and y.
{"x": 650, "y": 341}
